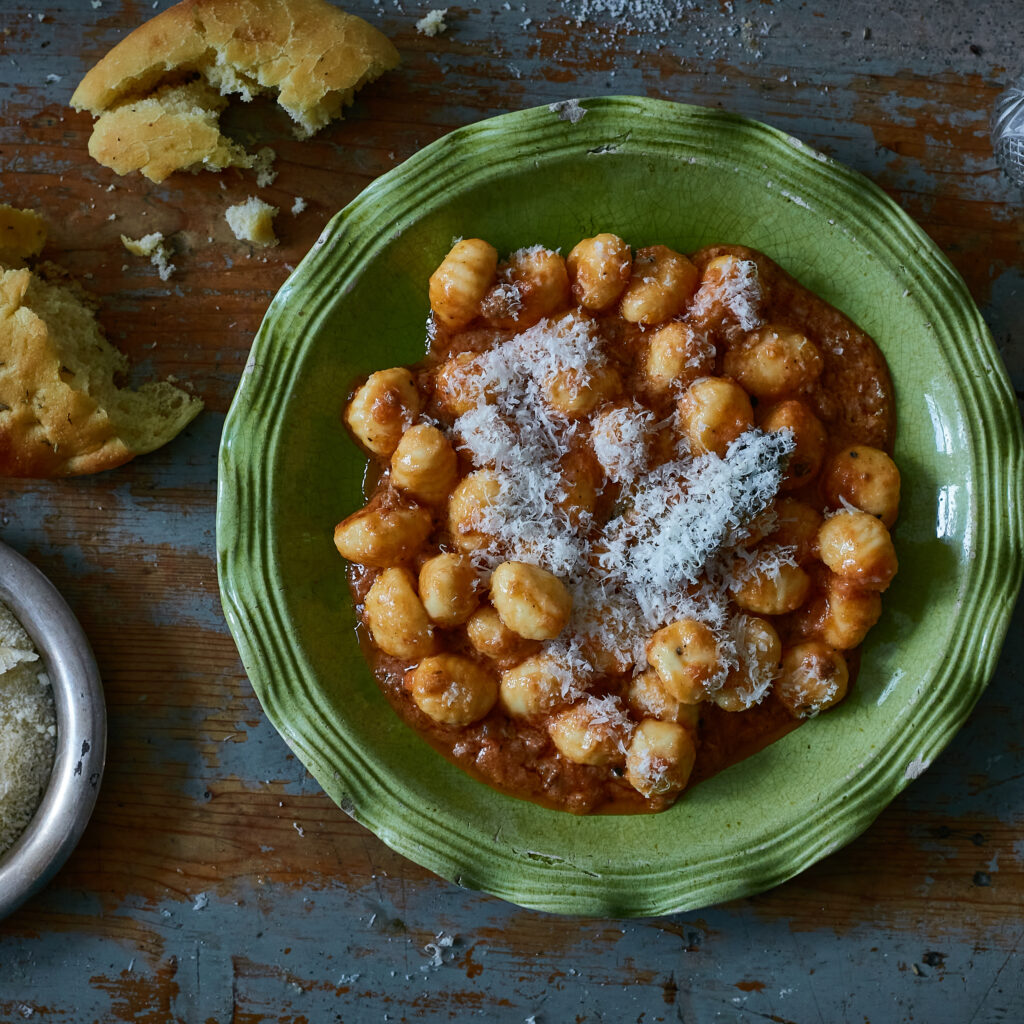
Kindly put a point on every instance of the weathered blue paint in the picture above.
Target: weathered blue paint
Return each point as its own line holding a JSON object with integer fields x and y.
{"x": 920, "y": 919}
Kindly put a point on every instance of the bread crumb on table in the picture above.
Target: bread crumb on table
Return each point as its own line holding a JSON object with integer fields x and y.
{"x": 154, "y": 247}
{"x": 299, "y": 205}
{"x": 263, "y": 166}
{"x": 252, "y": 221}
{"x": 433, "y": 23}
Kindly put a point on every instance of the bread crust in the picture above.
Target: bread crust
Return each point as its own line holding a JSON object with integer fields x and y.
{"x": 48, "y": 427}
{"x": 306, "y": 49}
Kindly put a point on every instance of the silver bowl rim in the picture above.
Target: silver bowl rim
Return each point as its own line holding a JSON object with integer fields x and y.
{"x": 74, "y": 784}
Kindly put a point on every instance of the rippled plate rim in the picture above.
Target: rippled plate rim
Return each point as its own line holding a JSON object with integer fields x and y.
{"x": 258, "y": 618}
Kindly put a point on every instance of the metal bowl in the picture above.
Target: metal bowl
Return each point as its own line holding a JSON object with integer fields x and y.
{"x": 70, "y": 795}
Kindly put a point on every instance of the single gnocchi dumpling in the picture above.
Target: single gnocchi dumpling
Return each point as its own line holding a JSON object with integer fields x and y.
{"x": 814, "y": 677}
{"x": 395, "y": 615}
{"x": 857, "y": 546}
{"x": 470, "y": 502}
{"x": 850, "y": 612}
{"x": 461, "y": 281}
{"x": 382, "y": 536}
{"x": 774, "y": 362}
{"x": 660, "y": 758}
{"x": 533, "y": 284}
{"x": 809, "y": 437}
{"x": 576, "y": 393}
{"x": 678, "y": 354}
{"x": 383, "y": 409}
{"x": 686, "y": 657}
{"x": 452, "y": 689}
{"x": 599, "y": 271}
{"x": 531, "y": 601}
{"x": 459, "y": 384}
{"x": 424, "y": 465}
{"x": 731, "y": 297}
{"x": 449, "y": 587}
{"x": 661, "y": 284}
{"x": 713, "y": 412}
{"x": 535, "y": 686}
{"x": 864, "y": 477}
{"x": 594, "y": 731}
{"x": 770, "y": 584}
{"x": 796, "y": 528}
{"x": 759, "y": 650}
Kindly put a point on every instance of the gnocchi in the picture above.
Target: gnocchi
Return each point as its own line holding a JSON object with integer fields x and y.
{"x": 619, "y": 504}
{"x": 382, "y": 409}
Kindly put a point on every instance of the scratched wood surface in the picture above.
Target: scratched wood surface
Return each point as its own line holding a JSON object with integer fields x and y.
{"x": 216, "y": 882}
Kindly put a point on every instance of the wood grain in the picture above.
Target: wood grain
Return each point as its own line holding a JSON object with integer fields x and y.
{"x": 216, "y": 882}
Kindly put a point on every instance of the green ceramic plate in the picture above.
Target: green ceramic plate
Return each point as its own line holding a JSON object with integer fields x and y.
{"x": 652, "y": 172}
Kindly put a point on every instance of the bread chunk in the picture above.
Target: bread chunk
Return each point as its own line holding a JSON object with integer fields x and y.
{"x": 158, "y": 93}
{"x": 253, "y": 221}
{"x": 176, "y": 128}
{"x": 22, "y": 235}
{"x": 61, "y": 413}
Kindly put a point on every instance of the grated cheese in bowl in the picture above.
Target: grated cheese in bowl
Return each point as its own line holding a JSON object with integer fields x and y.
{"x": 28, "y": 729}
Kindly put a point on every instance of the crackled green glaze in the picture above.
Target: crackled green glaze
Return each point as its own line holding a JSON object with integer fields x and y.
{"x": 652, "y": 172}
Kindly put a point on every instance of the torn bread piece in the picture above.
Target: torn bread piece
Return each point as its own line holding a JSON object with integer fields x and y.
{"x": 22, "y": 235}
{"x": 309, "y": 53}
{"x": 253, "y": 221}
{"x": 61, "y": 413}
{"x": 176, "y": 128}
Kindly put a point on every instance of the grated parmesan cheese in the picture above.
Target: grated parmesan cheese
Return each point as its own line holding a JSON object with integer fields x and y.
{"x": 619, "y": 437}
{"x": 28, "y": 729}
{"x": 671, "y": 554}
{"x": 738, "y": 292}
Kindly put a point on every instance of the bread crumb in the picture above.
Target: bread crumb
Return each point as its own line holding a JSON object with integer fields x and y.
{"x": 263, "y": 166}
{"x": 299, "y": 205}
{"x": 154, "y": 247}
{"x": 433, "y": 23}
{"x": 252, "y": 221}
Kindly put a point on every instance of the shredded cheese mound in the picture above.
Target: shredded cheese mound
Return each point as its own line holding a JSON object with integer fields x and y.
{"x": 675, "y": 548}
{"x": 619, "y": 437}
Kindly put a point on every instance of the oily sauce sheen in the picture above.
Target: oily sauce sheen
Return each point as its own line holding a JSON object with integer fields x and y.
{"x": 852, "y": 398}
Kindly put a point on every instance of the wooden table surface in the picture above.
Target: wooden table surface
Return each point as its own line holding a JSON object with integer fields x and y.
{"x": 216, "y": 881}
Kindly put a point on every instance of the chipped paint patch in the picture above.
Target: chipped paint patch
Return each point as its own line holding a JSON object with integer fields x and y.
{"x": 568, "y": 110}
{"x": 795, "y": 199}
